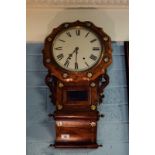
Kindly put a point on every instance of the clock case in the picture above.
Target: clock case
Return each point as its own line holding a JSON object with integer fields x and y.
{"x": 76, "y": 95}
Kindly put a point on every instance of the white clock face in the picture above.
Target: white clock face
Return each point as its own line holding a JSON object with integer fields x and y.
{"x": 77, "y": 49}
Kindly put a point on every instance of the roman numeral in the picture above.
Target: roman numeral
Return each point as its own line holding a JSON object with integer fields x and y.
{"x": 66, "y": 64}
{"x": 60, "y": 56}
{"x": 78, "y": 32}
{"x": 58, "y": 48}
{"x": 62, "y": 40}
{"x": 68, "y": 33}
{"x": 76, "y": 65}
{"x": 86, "y": 64}
{"x": 96, "y": 48}
{"x": 87, "y": 34}
{"x": 93, "y": 40}
{"x": 93, "y": 57}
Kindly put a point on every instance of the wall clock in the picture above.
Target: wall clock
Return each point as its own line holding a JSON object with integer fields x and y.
{"x": 77, "y": 55}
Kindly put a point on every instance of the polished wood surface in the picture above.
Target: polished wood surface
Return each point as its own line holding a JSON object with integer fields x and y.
{"x": 97, "y": 70}
{"x": 77, "y": 95}
{"x": 76, "y": 127}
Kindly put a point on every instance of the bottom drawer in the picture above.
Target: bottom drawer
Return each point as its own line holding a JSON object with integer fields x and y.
{"x": 76, "y": 131}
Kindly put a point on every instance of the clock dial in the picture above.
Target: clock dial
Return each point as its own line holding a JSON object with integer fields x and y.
{"x": 77, "y": 49}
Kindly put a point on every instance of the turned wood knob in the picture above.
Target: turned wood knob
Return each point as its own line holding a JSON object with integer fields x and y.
{"x": 102, "y": 95}
{"x": 102, "y": 115}
{"x": 50, "y": 115}
{"x": 51, "y": 145}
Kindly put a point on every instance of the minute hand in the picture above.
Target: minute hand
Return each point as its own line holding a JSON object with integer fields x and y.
{"x": 76, "y": 64}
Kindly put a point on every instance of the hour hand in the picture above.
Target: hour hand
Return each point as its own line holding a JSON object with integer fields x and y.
{"x": 76, "y": 65}
{"x": 66, "y": 64}
{"x": 71, "y": 54}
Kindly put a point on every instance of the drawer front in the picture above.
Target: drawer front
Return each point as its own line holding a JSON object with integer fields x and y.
{"x": 76, "y": 131}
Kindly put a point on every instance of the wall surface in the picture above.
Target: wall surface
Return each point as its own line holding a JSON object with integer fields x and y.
{"x": 112, "y": 129}
{"x": 40, "y": 22}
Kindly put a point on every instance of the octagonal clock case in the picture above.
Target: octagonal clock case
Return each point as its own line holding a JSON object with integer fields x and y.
{"x": 77, "y": 55}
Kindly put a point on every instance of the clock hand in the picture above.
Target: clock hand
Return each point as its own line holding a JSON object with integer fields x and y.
{"x": 76, "y": 49}
{"x": 70, "y": 55}
{"x": 76, "y": 56}
{"x": 76, "y": 64}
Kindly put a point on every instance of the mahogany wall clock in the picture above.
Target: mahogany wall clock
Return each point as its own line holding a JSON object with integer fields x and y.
{"x": 77, "y": 55}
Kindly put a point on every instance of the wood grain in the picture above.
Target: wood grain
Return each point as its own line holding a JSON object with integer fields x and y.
{"x": 76, "y": 120}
